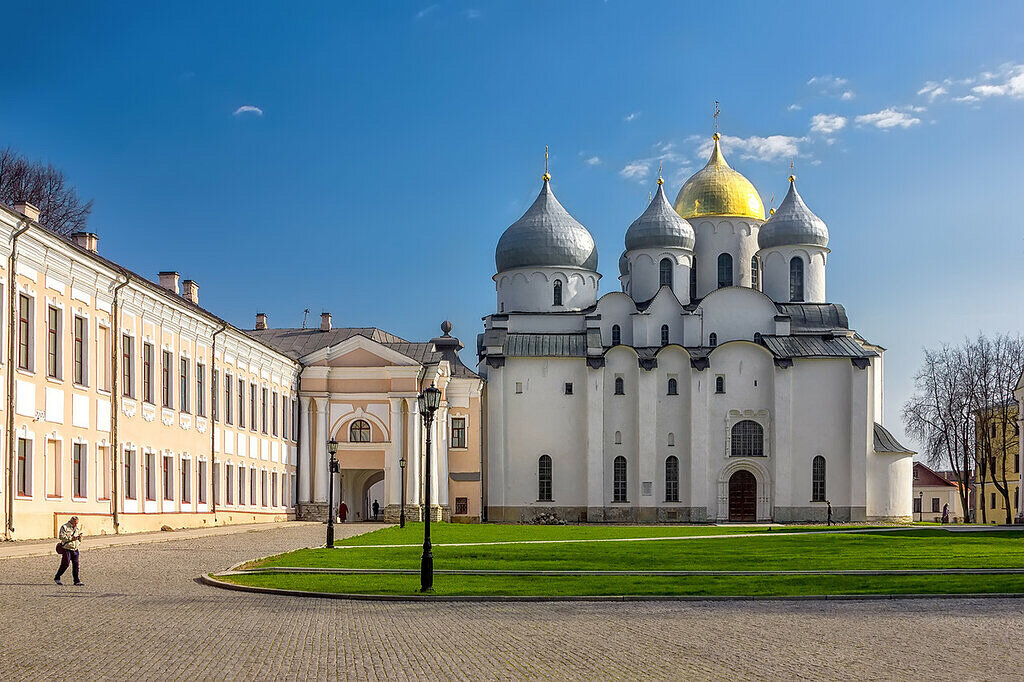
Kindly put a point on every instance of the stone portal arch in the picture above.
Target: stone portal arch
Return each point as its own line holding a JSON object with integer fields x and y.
{"x": 762, "y": 487}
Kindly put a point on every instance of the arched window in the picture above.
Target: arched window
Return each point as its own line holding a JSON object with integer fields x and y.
{"x": 724, "y": 270}
{"x": 818, "y": 479}
{"x": 719, "y": 384}
{"x": 747, "y": 439}
{"x": 359, "y": 431}
{"x": 618, "y": 437}
{"x": 693, "y": 278}
{"x": 757, "y": 337}
{"x": 672, "y": 479}
{"x": 619, "y": 386}
{"x": 557, "y": 292}
{"x": 713, "y": 339}
{"x": 755, "y": 274}
{"x": 616, "y": 335}
{"x": 665, "y": 273}
{"x": 619, "y": 479}
{"x": 544, "y": 478}
{"x": 671, "y": 440}
{"x": 673, "y": 387}
{"x": 796, "y": 279}
{"x": 664, "y": 334}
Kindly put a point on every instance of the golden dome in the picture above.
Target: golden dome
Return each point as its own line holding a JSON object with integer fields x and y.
{"x": 717, "y": 189}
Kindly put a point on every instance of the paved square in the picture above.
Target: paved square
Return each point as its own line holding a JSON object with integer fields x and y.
{"x": 143, "y": 616}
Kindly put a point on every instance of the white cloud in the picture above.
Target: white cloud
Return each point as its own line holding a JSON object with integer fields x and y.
{"x": 593, "y": 161}
{"x": 1009, "y": 83}
{"x": 631, "y": 116}
{"x": 832, "y": 86}
{"x": 636, "y": 170}
{"x": 794, "y": 107}
{"x": 828, "y": 81}
{"x": 931, "y": 90}
{"x": 847, "y": 95}
{"x": 426, "y": 11}
{"x": 247, "y": 109}
{"x": 888, "y": 118}
{"x": 827, "y": 124}
{"x": 756, "y": 148}
{"x": 966, "y": 99}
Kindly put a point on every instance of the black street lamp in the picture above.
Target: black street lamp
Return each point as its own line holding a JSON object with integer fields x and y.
{"x": 920, "y": 506}
{"x": 401, "y": 517}
{"x": 429, "y": 401}
{"x": 333, "y": 468}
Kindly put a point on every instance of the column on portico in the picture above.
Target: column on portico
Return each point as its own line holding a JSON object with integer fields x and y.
{"x": 393, "y": 470}
{"x": 412, "y": 465}
{"x": 595, "y": 444}
{"x": 647, "y": 446}
{"x": 441, "y": 466}
{"x": 305, "y": 453}
{"x": 320, "y": 472}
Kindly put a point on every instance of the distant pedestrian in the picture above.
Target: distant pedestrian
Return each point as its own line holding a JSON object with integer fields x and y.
{"x": 830, "y": 521}
{"x": 69, "y": 540}
{"x": 945, "y": 513}
{"x": 376, "y": 509}
{"x": 343, "y": 511}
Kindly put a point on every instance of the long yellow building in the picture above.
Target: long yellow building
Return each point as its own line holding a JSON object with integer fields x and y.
{"x": 1002, "y": 465}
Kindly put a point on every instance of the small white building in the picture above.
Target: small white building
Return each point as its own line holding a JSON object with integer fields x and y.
{"x": 932, "y": 493}
{"x": 719, "y": 384}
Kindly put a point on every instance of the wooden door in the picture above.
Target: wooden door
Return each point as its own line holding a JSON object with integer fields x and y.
{"x": 742, "y": 496}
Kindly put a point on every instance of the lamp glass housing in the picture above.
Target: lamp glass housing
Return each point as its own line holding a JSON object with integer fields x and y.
{"x": 332, "y": 446}
{"x": 432, "y": 398}
{"x": 401, "y": 463}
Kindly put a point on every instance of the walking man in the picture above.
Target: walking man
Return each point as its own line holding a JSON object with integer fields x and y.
{"x": 376, "y": 509}
{"x": 70, "y": 539}
{"x": 343, "y": 511}
{"x": 830, "y": 522}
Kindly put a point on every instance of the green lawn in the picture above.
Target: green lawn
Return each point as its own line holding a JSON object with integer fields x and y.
{"x": 757, "y": 549}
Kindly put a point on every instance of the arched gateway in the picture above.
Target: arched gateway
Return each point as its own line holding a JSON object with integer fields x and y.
{"x": 742, "y": 496}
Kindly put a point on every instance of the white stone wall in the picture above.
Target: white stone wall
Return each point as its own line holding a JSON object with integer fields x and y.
{"x": 732, "y": 235}
{"x": 775, "y": 264}
{"x": 532, "y": 289}
{"x": 645, "y": 272}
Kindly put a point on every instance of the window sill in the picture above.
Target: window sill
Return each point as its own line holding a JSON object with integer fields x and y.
{"x": 54, "y": 380}
{"x": 79, "y": 499}
{"x": 80, "y": 387}
{"x": 620, "y": 502}
{"x": 26, "y": 372}
{"x": 20, "y": 496}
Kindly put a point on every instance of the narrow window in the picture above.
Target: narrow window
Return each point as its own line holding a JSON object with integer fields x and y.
{"x": 519, "y": 387}
{"x": 619, "y": 479}
{"x": 103, "y": 351}
{"x": 273, "y": 413}
{"x": 796, "y": 279}
{"x": 24, "y": 331}
{"x": 215, "y": 479}
{"x": 557, "y": 292}
{"x": 713, "y": 339}
{"x": 252, "y": 407}
{"x": 186, "y": 482}
{"x": 252, "y": 487}
{"x": 672, "y": 479}
{"x": 724, "y": 270}
{"x": 127, "y": 366}
{"x": 568, "y": 388}
{"x": 263, "y": 488}
{"x": 103, "y": 459}
{"x": 693, "y": 279}
{"x": 619, "y": 386}
{"x": 149, "y": 474}
{"x": 200, "y": 390}
{"x": 618, "y": 437}
{"x": 24, "y": 467}
{"x": 935, "y": 504}
{"x": 917, "y": 505}
{"x": 130, "y": 460}
{"x": 818, "y": 479}
{"x": 241, "y": 403}
{"x": 720, "y": 384}
{"x": 665, "y": 273}
{"x": 147, "y": 372}
{"x": 201, "y": 479}
{"x": 664, "y": 335}
{"x": 458, "y": 432}
{"x": 616, "y": 335}
{"x": 183, "y": 387}
{"x": 241, "y": 485}
{"x": 755, "y": 274}
{"x": 359, "y": 431}
{"x": 229, "y": 482}
{"x": 671, "y": 442}
{"x": 214, "y": 395}
{"x": 80, "y": 376}
{"x": 461, "y": 506}
{"x": 168, "y": 470}
{"x": 165, "y": 378}
{"x": 229, "y": 386}
{"x": 673, "y": 387}
{"x": 544, "y": 478}
{"x": 273, "y": 489}
{"x": 78, "y": 469}
{"x": 757, "y": 337}
{"x": 263, "y": 410}
{"x": 54, "y": 473}
{"x": 747, "y": 439}
{"x": 52, "y": 342}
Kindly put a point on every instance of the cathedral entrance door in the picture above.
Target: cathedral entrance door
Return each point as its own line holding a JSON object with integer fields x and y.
{"x": 742, "y": 496}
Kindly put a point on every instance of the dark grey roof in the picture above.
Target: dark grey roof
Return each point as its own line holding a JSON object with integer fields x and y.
{"x": 815, "y": 317}
{"x": 545, "y": 345}
{"x": 297, "y": 343}
{"x": 812, "y": 346}
{"x": 546, "y": 235}
{"x": 792, "y": 224}
{"x": 623, "y": 264}
{"x": 886, "y": 442}
{"x": 659, "y": 226}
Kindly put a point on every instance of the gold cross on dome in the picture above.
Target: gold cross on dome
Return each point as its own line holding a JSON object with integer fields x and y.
{"x": 717, "y": 112}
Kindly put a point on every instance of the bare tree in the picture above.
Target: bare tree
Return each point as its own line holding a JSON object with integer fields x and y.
{"x": 60, "y": 208}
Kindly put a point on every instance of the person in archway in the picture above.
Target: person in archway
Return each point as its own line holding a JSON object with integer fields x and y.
{"x": 376, "y": 509}
{"x": 342, "y": 511}
{"x": 830, "y": 522}
{"x": 945, "y": 513}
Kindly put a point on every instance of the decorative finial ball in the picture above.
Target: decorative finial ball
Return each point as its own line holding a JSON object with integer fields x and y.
{"x": 661, "y": 181}
{"x": 546, "y": 176}
{"x": 771, "y": 211}
{"x": 716, "y": 137}
{"x": 792, "y": 178}
{"x": 446, "y": 327}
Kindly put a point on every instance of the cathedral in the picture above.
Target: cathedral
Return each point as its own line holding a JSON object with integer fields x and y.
{"x": 719, "y": 384}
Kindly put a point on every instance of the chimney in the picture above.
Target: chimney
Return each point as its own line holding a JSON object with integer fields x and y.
{"x": 261, "y": 321}
{"x": 28, "y": 210}
{"x": 325, "y": 322}
{"x": 87, "y": 240}
{"x": 190, "y": 291}
{"x": 169, "y": 281}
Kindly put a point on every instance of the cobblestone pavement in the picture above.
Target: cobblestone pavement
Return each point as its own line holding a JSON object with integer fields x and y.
{"x": 141, "y": 615}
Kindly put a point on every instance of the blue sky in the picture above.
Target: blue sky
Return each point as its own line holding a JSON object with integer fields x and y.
{"x": 364, "y": 158}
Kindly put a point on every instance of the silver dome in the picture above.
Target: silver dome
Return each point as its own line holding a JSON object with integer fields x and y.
{"x": 546, "y": 235}
{"x": 623, "y": 264}
{"x": 659, "y": 226}
{"x": 793, "y": 224}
